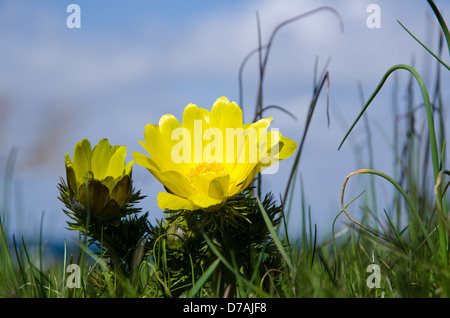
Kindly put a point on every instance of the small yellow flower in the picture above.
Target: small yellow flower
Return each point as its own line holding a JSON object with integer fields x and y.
{"x": 98, "y": 179}
{"x": 210, "y": 157}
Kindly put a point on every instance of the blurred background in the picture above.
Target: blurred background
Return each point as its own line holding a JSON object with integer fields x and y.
{"x": 133, "y": 61}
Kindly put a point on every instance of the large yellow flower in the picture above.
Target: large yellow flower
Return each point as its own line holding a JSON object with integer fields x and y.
{"x": 98, "y": 179}
{"x": 210, "y": 157}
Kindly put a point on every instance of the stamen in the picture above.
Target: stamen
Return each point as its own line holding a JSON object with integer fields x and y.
{"x": 212, "y": 170}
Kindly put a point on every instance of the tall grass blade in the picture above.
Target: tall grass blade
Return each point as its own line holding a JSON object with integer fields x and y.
{"x": 397, "y": 234}
{"x": 432, "y": 134}
{"x": 402, "y": 191}
{"x": 263, "y": 61}
{"x": 239, "y": 277}
{"x": 312, "y": 106}
{"x": 441, "y": 22}
{"x": 5, "y": 257}
{"x": 425, "y": 47}
{"x": 275, "y": 237}
{"x": 202, "y": 280}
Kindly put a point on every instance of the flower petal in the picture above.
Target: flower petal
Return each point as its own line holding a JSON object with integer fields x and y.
{"x": 94, "y": 192}
{"x": 101, "y": 155}
{"x": 110, "y": 210}
{"x": 145, "y": 161}
{"x": 116, "y": 164}
{"x": 195, "y": 122}
{"x": 263, "y": 123}
{"x": 287, "y": 148}
{"x": 218, "y": 188}
{"x": 168, "y": 201}
{"x": 225, "y": 115}
{"x": 245, "y": 180}
{"x": 122, "y": 191}
{"x": 167, "y": 124}
{"x": 71, "y": 178}
{"x": 129, "y": 166}
{"x": 82, "y": 159}
{"x": 159, "y": 145}
{"x": 207, "y": 203}
{"x": 176, "y": 182}
{"x": 109, "y": 182}
{"x": 201, "y": 183}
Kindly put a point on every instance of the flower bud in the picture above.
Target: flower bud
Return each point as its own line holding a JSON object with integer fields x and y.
{"x": 98, "y": 180}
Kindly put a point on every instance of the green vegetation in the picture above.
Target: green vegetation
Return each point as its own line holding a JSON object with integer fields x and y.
{"x": 200, "y": 255}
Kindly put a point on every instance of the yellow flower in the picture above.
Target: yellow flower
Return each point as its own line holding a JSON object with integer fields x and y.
{"x": 98, "y": 179}
{"x": 210, "y": 157}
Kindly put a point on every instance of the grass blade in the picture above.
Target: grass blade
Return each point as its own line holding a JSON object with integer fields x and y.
{"x": 432, "y": 134}
{"x": 395, "y": 230}
{"x": 275, "y": 237}
{"x": 441, "y": 22}
{"x": 402, "y": 191}
{"x": 239, "y": 277}
{"x": 425, "y": 47}
{"x": 202, "y": 280}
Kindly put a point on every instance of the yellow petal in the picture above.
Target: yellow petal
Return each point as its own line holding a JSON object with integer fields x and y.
{"x": 122, "y": 191}
{"x": 145, "y": 161}
{"x": 167, "y": 124}
{"x": 205, "y": 114}
{"x": 71, "y": 178}
{"x": 129, "y": 166}
{"x": 225, "y": 115}
{"x": 116, "y": 164}
{"x": 158, "y": 147}
{"x": 287, "y": 148}
{"x": 259, "y": 126}
{"x": 82, "y": 159}
{"x": 195, "y": 122}
{"x": 168, "y": 201}
{"x": 101, "y": 154}
{"x": 201, "y": 183}
{"x": 205, "y": 202}
{"x": 67, "y": 159}
{"x": 246, "y": 180}
{"x": 148, "y": 163}
{"x": 269, "y": 147}
{"x": 218, "y": 188}
{"x": 109, "y": 182}
{"x": 192, "y": 113}
{"x": 176, "y": 182}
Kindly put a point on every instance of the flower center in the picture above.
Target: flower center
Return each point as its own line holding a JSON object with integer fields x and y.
{"x": 212, "y": 170}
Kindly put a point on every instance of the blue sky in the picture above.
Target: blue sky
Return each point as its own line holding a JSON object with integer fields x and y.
{"x": 134, "y": 61}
